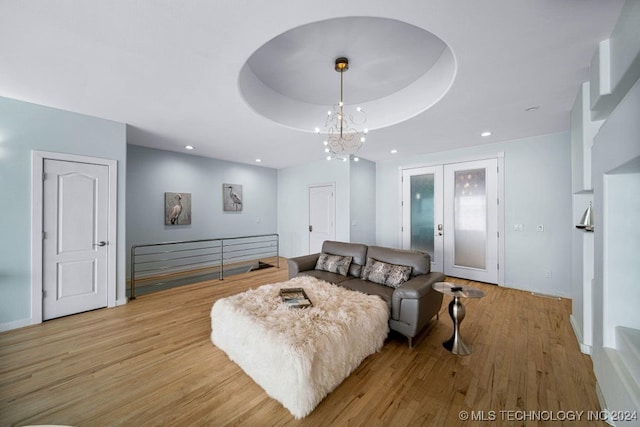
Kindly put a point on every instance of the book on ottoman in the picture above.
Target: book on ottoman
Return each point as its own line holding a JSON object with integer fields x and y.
{"x": 295, "y": 297}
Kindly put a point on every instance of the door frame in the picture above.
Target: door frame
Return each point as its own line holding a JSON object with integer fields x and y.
{"x": 37, "y": 217}
{"x": 501, "y": 203}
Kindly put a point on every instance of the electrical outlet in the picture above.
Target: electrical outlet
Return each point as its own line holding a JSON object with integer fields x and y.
{"x": 548, "y": 274}
{"x": 518, "y": 227}
{"x": 539, "y": 227}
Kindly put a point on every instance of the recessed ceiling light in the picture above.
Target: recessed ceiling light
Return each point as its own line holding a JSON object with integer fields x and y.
{"x": 394, "y": 151}
{"x": 258, "y": 160}
{"x": 189, "y": 147}
{"x": 485, "y": 133}
{"x": 532, "y": 108}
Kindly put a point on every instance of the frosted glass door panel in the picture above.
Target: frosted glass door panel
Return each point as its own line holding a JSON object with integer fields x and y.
{"x": 422, "y": 213}
{"x": 470, "y": 218}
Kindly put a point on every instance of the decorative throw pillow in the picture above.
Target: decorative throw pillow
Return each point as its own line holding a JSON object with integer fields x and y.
{"x": 391, "y": 275}
{"x": 398, "y": 275}
{"x": 334, "y": 263}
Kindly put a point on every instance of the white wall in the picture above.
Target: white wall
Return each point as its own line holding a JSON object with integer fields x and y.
{"x": 617, "y": 143}
{"x": 622, "y": 239}
{"x": 25, "y": 127}
{"x": 363, "y": 202}
{"x": 537, "y": 191}
{"x": 615, "y": 176}
{"x": 293, "y": 209}
{"x": 616, "y": 295}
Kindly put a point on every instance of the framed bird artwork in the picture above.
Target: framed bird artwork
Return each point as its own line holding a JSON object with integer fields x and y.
{"x": 177, "y": 208}
{"x": 232, "y": 197}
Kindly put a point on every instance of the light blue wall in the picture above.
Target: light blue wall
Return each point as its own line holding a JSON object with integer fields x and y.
{"x": 151, "y": 173}
{"x": 293, "y": 209}
{"x": 25, "y": 127}
{"x": 537, "y": 191}
{"x": 363, "y": 202}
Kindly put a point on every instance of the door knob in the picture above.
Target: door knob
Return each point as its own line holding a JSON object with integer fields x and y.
{"x": 102, "y": 243}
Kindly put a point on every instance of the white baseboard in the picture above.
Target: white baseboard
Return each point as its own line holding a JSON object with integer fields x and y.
{"x": 586, "y": 349}
{"x": 14, "y": 325}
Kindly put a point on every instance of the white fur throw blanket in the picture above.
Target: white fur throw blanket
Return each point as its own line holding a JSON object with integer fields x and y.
{"x": 299, "y": 355}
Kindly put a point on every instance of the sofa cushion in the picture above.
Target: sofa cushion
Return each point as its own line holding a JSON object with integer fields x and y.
{"x": 392, "y": 275}
{"x": 419, "y": 261}
{"x": 356, "y": 250}
{"x": 369, "y": 288}
{"x": 334, "y": 263}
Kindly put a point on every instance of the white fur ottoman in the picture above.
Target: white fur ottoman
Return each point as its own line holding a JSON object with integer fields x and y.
{"x": 299, "y": 355}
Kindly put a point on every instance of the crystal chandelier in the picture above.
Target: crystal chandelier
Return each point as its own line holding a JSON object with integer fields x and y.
{"x": 341, "y": 126}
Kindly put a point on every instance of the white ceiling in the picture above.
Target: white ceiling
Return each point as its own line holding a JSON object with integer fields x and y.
{"x": 171, "y": 69}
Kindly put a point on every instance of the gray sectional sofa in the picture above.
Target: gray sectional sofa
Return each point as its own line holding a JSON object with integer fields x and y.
{"x": 412, "y": 303}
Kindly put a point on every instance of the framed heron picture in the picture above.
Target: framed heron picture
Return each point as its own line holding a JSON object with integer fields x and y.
{"x": 232, "y": 197}
{"x": 177, "y": 208}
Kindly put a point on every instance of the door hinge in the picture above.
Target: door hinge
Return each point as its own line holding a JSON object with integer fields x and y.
{"x": 498, "y": 233}
{"x": 497, "y": 266}
{"x": 44, "y": 235}
{"x": 44, "y": 293}
{"x": 44, "y": 176}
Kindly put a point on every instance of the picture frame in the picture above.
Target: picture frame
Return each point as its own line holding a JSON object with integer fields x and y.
{"x": 232, "y": 200}
{"x": 177, "y": 208}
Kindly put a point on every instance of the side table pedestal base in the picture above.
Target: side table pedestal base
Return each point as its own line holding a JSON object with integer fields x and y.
{"x": 455, "y": 344}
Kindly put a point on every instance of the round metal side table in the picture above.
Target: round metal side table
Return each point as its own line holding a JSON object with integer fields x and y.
{"x": 457, "y": 312}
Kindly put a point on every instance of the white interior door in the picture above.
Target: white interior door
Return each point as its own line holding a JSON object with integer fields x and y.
{"x": 321, "y": 216}
{"x": 471, "y": 220}
{"x": 422, "y": 213}
{"x": 75, "y": 237}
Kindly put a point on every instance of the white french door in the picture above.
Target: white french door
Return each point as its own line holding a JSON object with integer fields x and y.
{"x": 451, "y": 212}
{"x": 322, "y": 224}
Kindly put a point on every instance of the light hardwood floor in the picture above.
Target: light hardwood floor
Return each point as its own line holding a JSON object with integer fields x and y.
{"x": 151, "y": 362}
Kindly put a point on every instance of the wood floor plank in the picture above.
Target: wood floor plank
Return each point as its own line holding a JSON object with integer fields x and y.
{"x": 151, "y": 362}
